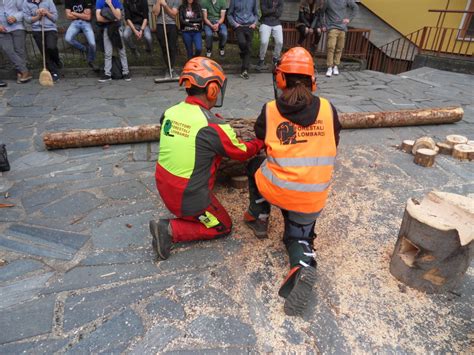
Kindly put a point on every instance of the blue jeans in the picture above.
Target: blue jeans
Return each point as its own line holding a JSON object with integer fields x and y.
{"x": 222, "y": 36}
{"x": 190, "y": 37}
{"x": 77, "y": 26}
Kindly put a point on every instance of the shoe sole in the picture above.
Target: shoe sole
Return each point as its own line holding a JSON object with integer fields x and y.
{"x": 297, "y": 300}
{"x": 258, "y": 234}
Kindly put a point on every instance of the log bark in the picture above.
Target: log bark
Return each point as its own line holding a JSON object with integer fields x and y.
{"x": 463, "y": 152}
{"x": 434, "y": 247}
{"x": 444, "y": 148}
{"x": 407, "y": 146}
{"x": 349, "y": 120}
{"x": 425, "y": 157}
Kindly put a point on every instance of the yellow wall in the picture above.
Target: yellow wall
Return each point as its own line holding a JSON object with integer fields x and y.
{"x": 407, "y": 16}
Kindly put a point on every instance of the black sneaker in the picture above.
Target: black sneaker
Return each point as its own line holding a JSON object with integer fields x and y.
{"x": 244, "y": 75}
{"x": 162, "y": 241}
{"x": 3, "y": 84}
{"x": 257, "y": 225}
{"x": 297, "y": 288}
{"x": 55, "y": 77}
{"x": 261, "y": 65}
{"x": 105, "y": 78}
{"x": 126, "y": 77}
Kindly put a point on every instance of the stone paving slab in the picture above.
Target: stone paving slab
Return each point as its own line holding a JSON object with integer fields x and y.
{"x": 103, "y": 292}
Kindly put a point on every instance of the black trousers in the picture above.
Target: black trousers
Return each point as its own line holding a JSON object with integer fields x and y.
{"x": 316, "y": 36}
{"x": 172, "y": 35}
{"x": 51, "y": 49}
{"x": 244, "y": 38}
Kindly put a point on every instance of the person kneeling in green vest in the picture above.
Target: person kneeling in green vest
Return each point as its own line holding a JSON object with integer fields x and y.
{"x": 193, "y": 142}
{"x": 301, "y": 133}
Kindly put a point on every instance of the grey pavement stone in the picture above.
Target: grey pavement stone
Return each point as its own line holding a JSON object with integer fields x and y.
{"x": 37, "y": 159}
{"x": 76, "y": 204}
{"x": 213, "y": 351}
{"x": 10, "y": 215}
{"x": 23, "y": 290}
{"x": 22, "y": 101}
{"x": 112, "y": 337}
{"x": 42, "y": 241}
{"x": 192, "y": 258}
{"x": 39, "y": 111}
{"x": 156, "y": 339}
{"x": 222, "y": 330}
{"x": 90, "y": 276}
{"x": 119, "y": 257}
{"x": 292, "y": 335}
{"x": 81, "y": 309}
{"x": 48, "y": 346}
{"x": 27, "y": 320}
{"x": 126, "y": 191}
{"x": 214, "y": 300}
{"x": 35, "y": 200}
{"x": 162, "y": 307}
{"x": 18, "y": 268}
{"x": 123, "y": 232}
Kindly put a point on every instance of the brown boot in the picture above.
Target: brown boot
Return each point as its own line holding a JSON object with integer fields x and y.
{"x": 24, "y": 77}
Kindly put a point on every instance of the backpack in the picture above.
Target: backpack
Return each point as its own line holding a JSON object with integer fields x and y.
{"x": 116, "y": 72}
{"x": 4, "y": 165}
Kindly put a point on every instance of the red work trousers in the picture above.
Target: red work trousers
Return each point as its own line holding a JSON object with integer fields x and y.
{"x": 190, "y": 228}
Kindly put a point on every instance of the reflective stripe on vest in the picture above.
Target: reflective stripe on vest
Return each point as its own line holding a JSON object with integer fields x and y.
{"x": 300, "y": 161}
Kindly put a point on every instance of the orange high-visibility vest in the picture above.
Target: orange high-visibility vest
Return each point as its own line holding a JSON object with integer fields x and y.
{"x": 300, "y": 161}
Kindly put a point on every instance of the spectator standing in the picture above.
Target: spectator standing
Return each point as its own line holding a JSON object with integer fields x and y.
{"x": 190, "y": 19}
{"x": 12, "y": 37}
{"x": 270, "y": 25}
{"x": 80, "y": 14}
{"x": 170, "y": 9}
{"x": 38, "y": 12}
{"x": 243, "y": 17}
{"x": 136, "y": 18}
{"x": 214, "y": 22}
{"x": 310, "y": 21}
{"x": 338, "y": 14}
{"x": 109, "y": 16}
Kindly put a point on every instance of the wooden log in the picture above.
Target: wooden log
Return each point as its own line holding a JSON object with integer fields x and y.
{"x": 349, "y": 120}
{"x": 407, "y": 145}
{"x": 423, "y": 142}
{"x": 239, "y": 182}
{"x": 454, "y": 139}
{"x": 470, "y": 143}
{"x": 463, "y": 152}
{"x": 434, "y": 247}
{"x": 425, "y": 157}
{"x": 444, "y": 148}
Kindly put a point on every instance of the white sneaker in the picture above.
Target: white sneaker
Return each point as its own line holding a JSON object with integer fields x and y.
{"x": 329, "y": 72}
{"x": 209, "y": 54}
{"x": 335, "y": 71}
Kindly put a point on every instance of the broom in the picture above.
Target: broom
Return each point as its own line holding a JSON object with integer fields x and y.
{"x": 45, "y": 78}
{"x": 171, "y": 78}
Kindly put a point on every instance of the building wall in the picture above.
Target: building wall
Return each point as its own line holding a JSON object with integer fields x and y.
{"x": 407, "y": 16}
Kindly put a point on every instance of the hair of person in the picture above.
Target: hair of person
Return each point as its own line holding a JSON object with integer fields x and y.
{"x": 196, "y": 91}
{"x": 194, "y": 5}
{"x": 298, "y": 89}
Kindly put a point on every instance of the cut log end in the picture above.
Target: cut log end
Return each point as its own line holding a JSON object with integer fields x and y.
{"x": 454, "y": 139}
{"x": 463, "y": 152}
{"x": 423, "y": 142}
{"x": 407, "y": 145}
{"x": 444, "y": 148}
{"x": 425, "y": 157}
{"x": 239, "y": 182}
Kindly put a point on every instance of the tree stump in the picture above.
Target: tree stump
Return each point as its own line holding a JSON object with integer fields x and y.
{"x": 425, "y": 157}
{"x": 463, "y": 151}
{"x": 407, "y": 145}
{"x": 434, "y": 247}
{"x": 444, "y": 148}
{"x": 423, "y": 142}
{"x": 454, "y": 139}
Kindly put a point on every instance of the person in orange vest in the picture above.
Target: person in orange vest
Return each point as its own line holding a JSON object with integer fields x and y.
{"x": 193, "y": 141}
{"x": 301, "y": 133}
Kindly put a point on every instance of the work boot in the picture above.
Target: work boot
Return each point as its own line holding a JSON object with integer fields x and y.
{"x": 296, "y": 289}
{"x": 259, "y": 226}
{"x": 261, "y": 65}
{"x": 162, "y": 239}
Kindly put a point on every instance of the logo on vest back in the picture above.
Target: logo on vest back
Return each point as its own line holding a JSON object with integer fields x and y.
{"x": 167, "y": 128}
{"x": 286, "y": 133}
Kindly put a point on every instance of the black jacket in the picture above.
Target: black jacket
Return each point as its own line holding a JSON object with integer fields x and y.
{"x": 136, "y": 11}
{"x": 311, "y": 16}
{"x": 271, "y": 12}
{"x": 303, "y": 115}
{"x": 193, "y": 23}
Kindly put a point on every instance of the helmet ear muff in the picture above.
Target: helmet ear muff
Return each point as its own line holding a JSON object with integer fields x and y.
{"x": 280, "y": 80}
{"x": 313, "y": 83}
{"x": 212, "y": 91}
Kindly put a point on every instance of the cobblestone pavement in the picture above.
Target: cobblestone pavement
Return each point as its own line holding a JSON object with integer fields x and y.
{"x": 78, "y": 274}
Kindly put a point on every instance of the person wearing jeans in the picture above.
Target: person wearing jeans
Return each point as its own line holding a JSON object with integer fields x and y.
{"x": 190, "y": 18}
{"x": 12, "y": 37}
{"x": 109, "y": 14}
{"x": 270, "y": 26}
{"x": 338, "y": 14}
{"x": 214, "y": 22}
{"x": 136, "y": 16}
{"x": 37, "y": 13}
{"x": 243, "y": 17}
{"x": 80, "y": 13}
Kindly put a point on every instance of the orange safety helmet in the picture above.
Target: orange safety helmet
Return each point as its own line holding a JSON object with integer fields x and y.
{"x": 204, "y": 73}
{"x": 296, "y": 61}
